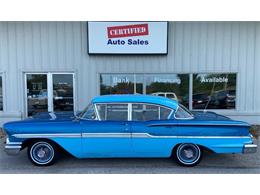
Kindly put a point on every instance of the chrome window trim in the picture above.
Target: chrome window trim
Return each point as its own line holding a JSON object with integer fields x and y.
{"x": 130, "y": 111}
{"x": 96, "y": 111}
{"x": 130, "y": 108}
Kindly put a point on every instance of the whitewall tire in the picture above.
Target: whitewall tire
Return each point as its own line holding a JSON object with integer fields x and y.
{"x": 188, "y": 154}
{"x": 42, "y": 153}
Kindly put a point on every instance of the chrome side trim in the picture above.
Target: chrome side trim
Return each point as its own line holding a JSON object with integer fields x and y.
{"x": 53, "y": 135}
{"x": 121, "y": 135}
{"x": 106, "y": 135}
{"x": 147, "y": 135}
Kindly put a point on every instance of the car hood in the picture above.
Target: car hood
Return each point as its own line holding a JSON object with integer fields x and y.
{"x": 53, "y": 116}
{"x": 40, "y": 118}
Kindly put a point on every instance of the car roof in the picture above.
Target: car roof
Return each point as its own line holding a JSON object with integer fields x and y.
{"x": 151, "y": 99}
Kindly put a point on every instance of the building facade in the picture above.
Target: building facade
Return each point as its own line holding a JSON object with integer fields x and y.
{"x": 46, "y": 66}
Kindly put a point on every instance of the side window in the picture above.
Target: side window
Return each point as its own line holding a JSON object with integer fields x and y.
{"x": 117, "y": 112}
{"x": 145, "y": 112}
{"x": 89, "y": 113}
{"x": 183, "y": 113}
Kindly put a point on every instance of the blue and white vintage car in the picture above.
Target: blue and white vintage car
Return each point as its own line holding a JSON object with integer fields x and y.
{"x": 129, "y": 126}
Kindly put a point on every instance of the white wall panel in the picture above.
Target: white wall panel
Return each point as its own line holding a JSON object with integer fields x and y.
{"x": 193, "y": 47}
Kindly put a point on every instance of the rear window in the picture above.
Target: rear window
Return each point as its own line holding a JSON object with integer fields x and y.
{"x": 183, "y": 113}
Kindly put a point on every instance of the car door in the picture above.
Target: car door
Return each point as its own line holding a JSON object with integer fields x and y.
{"x": 109, "y": 134}
{"x": 153, "y": 134}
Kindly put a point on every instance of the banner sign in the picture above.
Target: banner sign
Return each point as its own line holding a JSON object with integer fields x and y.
{"x": 127, "y": 37}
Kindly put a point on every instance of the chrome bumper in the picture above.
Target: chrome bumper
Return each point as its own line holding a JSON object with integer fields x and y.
{"x": 250, "y": 148}
{"x": 12, "y": 148}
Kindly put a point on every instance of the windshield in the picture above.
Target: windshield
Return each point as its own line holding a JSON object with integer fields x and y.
{"x": 88, "y": 113}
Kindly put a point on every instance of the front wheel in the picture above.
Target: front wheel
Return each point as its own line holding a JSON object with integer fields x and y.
{"x": 42, "y": 153}
{"x": 188, "y": 154}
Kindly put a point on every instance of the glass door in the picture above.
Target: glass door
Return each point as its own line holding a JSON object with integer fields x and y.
{"x": 49, "y": 92}
{"x": 63, "y": 92}
{"x": 37, "y": 93}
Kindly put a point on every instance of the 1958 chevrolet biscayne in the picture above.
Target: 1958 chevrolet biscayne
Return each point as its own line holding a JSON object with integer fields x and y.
{"x": 118, "y": 126}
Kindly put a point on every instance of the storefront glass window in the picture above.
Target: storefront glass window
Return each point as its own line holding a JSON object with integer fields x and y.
{"x": 1, "y": 93}
{"x": 214, "y": 91}
{"x": 117, "y": 84}
{"x": 173, "y": 86}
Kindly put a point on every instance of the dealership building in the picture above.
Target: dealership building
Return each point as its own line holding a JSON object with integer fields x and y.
{"x": 61, "y": 66}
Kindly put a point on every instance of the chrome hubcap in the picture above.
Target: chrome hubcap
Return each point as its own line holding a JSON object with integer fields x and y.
{"x": 188, "y": 153}
{"x": 41, "y": 153}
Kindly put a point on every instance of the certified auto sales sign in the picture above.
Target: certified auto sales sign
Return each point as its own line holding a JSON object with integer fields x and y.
{"x": 127, "y": 37}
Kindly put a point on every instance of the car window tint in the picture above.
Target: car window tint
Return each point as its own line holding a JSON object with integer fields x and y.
{"x": 145, "y": 112}
{"x": 118, "y": 112}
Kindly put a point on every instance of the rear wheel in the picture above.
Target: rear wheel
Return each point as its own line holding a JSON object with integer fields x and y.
{"x": 188, "y": 154}
{"x": 42, "y": 153}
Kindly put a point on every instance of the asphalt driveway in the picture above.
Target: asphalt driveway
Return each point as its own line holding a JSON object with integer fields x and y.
{"x": 211, "y": 163}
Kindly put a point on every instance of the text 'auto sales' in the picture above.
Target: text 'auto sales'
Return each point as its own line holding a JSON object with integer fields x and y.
{"x": 114, "y": 34}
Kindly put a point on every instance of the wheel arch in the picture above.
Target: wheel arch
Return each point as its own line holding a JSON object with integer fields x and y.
{"x": 202, "y": 147}
{"x": 30, "y": 141}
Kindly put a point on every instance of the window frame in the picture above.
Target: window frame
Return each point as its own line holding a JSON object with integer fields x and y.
{"x": 2, "y": 77}
{"x": 128, "y": 109}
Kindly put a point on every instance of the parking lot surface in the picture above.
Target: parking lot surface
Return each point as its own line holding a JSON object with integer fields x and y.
{"x": 211, "y": 163}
